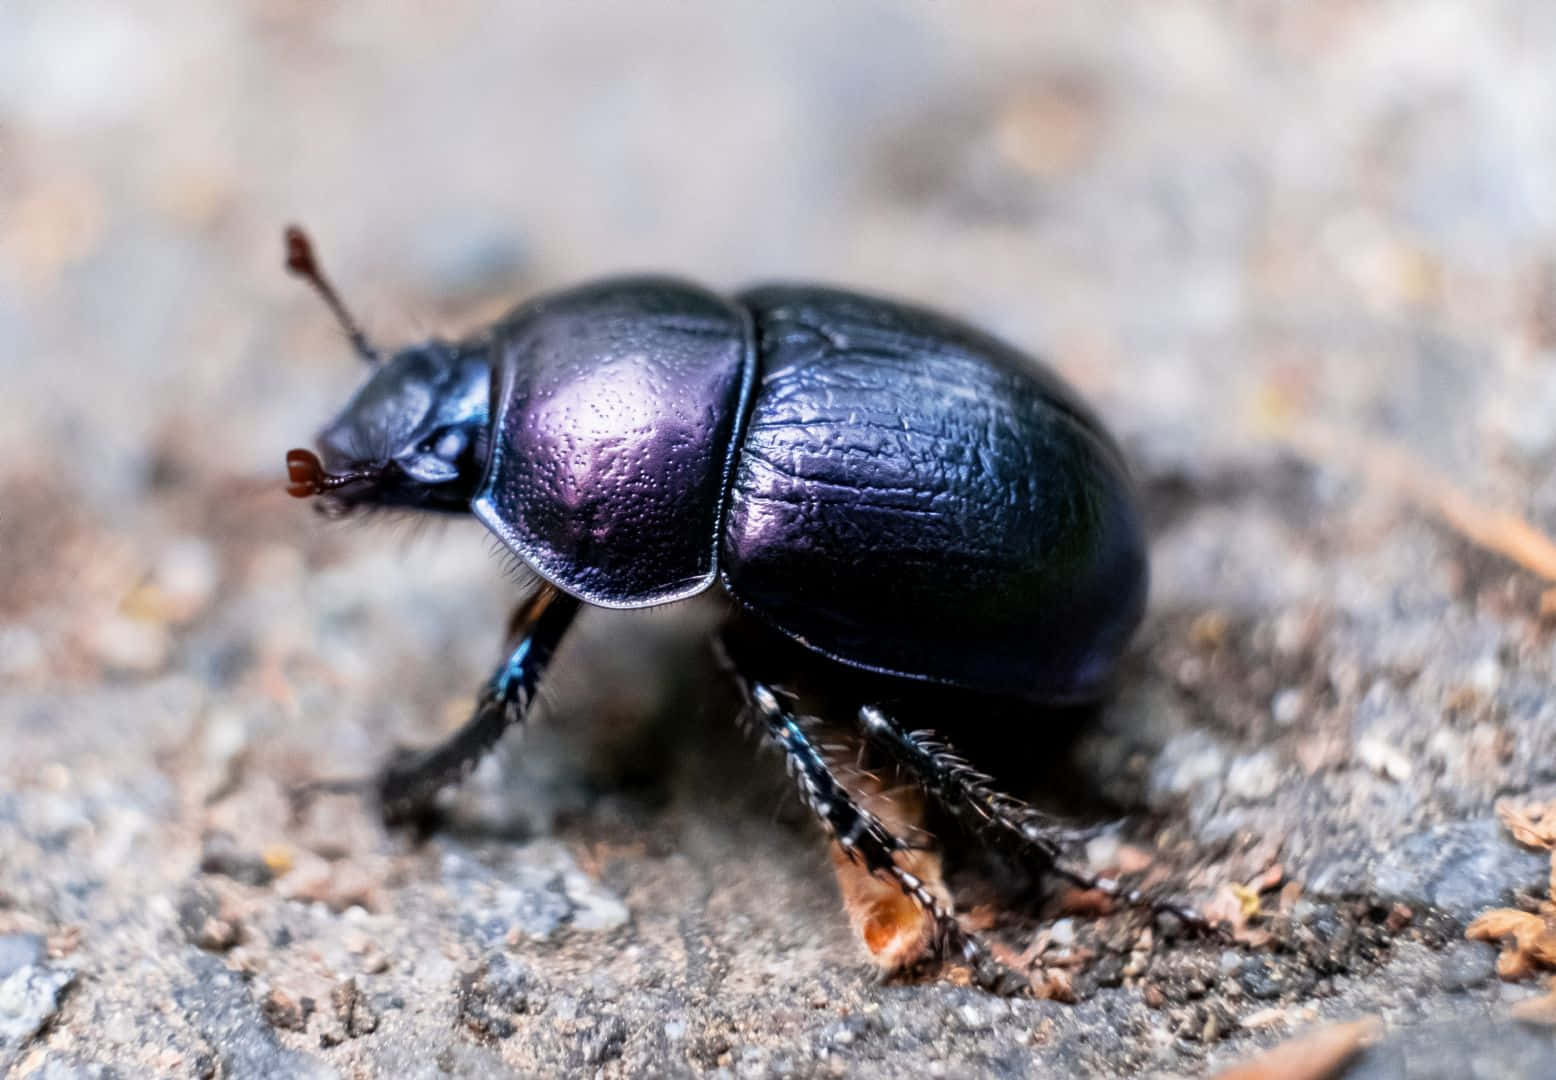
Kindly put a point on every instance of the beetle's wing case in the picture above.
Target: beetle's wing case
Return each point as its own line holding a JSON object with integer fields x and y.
{"x": 616, "y": 415}
{"x": 917, "y": 498}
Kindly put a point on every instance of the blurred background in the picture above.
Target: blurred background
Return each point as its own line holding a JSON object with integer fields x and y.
{"x": 1238, "y": 228}
{"x": 1189, "y": 208}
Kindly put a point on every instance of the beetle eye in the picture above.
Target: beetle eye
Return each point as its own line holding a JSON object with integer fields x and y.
{"x": 449, "y": 444}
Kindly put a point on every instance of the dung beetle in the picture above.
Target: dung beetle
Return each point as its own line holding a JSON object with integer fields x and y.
{"x": 899, "y": 493}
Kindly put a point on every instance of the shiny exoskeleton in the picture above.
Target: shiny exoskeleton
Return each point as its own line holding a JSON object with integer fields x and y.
{"x": 895, "y": 490}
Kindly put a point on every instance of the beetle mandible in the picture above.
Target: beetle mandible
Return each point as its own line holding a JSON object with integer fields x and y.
{"x": 896, "y": 491}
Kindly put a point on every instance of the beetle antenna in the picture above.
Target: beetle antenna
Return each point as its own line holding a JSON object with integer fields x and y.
{"x": 308, "y": 476}
{"x": 300, "y": 260}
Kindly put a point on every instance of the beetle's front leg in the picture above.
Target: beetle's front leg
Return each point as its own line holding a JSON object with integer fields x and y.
{"x": 862, "y": 836}
{"x": 412, "y": 779}
{"x": 969, "y": 794}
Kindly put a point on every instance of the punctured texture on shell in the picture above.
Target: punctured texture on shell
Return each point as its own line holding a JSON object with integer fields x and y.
{"x": 916, "y": 498}
{"x": 615, "y": 425}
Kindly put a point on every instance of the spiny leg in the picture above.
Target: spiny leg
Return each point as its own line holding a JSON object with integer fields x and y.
{"x": 411, "y": 780}
{"x": 971, "y": 795}
{"x": 861, "y": 835}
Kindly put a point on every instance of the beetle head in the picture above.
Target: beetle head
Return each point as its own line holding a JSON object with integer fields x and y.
{"x": 415, "y": 434}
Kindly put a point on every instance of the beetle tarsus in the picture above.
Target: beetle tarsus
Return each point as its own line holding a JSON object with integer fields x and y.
{"x": 1013, "y": 824}
{"x": 413, "y": 778}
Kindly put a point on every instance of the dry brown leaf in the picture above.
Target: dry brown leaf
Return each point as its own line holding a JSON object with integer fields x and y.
{"x": 898, "y": 933}
{"x": 1049, "y": 984}
{"x": 1528, "y": 940}
{"x": 1290, "y": 893}
{"x": 1312, "y": 1055}
{"x": 1253, "y": 937}
{"x": 1533, "y": 826}
{"x": 1514, "y": 966}
{"x": 1053, "y": 986}
{"x": 1273, "y": 875}
{"x": 1548, "y": 604}
{"x": 1229, "y": 907}
{"x": 1086, "y": 903}
{"x": 1502, "y": 923}
{"x": 1390, "y": 467}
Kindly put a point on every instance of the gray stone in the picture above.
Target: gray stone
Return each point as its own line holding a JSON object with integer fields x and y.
{"x": 221, "y": 1008}
{"x": 1467, "y": 1049}
{"x": 536, "y": 889}
{"x": 64, "y": 1067}
{"x": 1328, "y": 677}
{"x": 29, "y": 997}
{"x": 19, "y": 950}
{"x": 1464, "y": 965}
{"x": 1460, "y": 869}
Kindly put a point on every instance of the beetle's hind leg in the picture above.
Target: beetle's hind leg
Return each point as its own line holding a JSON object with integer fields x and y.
{"x": 862, "y": 836}
{"x": 1006, "y": 820}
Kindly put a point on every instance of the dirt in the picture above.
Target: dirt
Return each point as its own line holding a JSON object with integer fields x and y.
{"x": 1230, "y": 226}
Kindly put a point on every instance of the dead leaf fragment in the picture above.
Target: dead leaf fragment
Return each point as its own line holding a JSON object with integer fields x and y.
{"x": 1528, "y": 940}
{"x": 1391, "y": 468}
{"x": 1313, "y": 1055}
{"x": 898, "y": 933}
{"x": 1533, "y": 826}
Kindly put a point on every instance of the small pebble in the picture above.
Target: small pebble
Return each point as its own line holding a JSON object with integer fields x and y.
{"x": 285, "y": 1012}
{"x": 129, "y": 646}
{"x": 1384, "y": 759}
{"x": 1255, "y": 777}
{"x": 186, "y": 576}
{"x": 29, "y": 996}
{"x": 1288, "y": 706}
{"x": 217, "y": 935}
{"x": 973, "y": 1017}
{"x": 1103, "y": 850}
{"x": 1463, "y": 966}
{"x": 1486, "y": 675}
{"x": 204, "y": 924}
{"x": 352, "y": 1010}
{"x": 220, "y": 854}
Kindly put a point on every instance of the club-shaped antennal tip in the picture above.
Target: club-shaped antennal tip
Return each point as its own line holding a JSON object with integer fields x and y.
{"x": 299, "y": 253}
{"x": 305, "y": 473}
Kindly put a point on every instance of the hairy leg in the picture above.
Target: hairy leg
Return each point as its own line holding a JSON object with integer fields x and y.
{"x": 861, "y": 835}
{"x": 412, "y": 778}
{"x": 971, "y": 795}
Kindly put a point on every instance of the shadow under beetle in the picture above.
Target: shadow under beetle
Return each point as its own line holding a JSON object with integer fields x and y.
{"x": 896, "y": 491}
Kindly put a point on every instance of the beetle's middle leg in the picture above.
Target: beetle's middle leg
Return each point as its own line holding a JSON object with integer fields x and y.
{"x": 970, "y": 795}
{"x": 862, "y": 836}
{"x": 412, "y": 778}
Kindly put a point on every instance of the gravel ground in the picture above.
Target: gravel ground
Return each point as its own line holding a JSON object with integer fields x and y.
{"x": 1265, "y": 239}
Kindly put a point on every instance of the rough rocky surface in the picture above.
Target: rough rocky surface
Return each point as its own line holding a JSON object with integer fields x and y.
{"x": 1263, "y": 238}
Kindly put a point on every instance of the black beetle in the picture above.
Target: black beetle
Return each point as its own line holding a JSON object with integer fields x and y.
{"x": 899, "y": 493}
